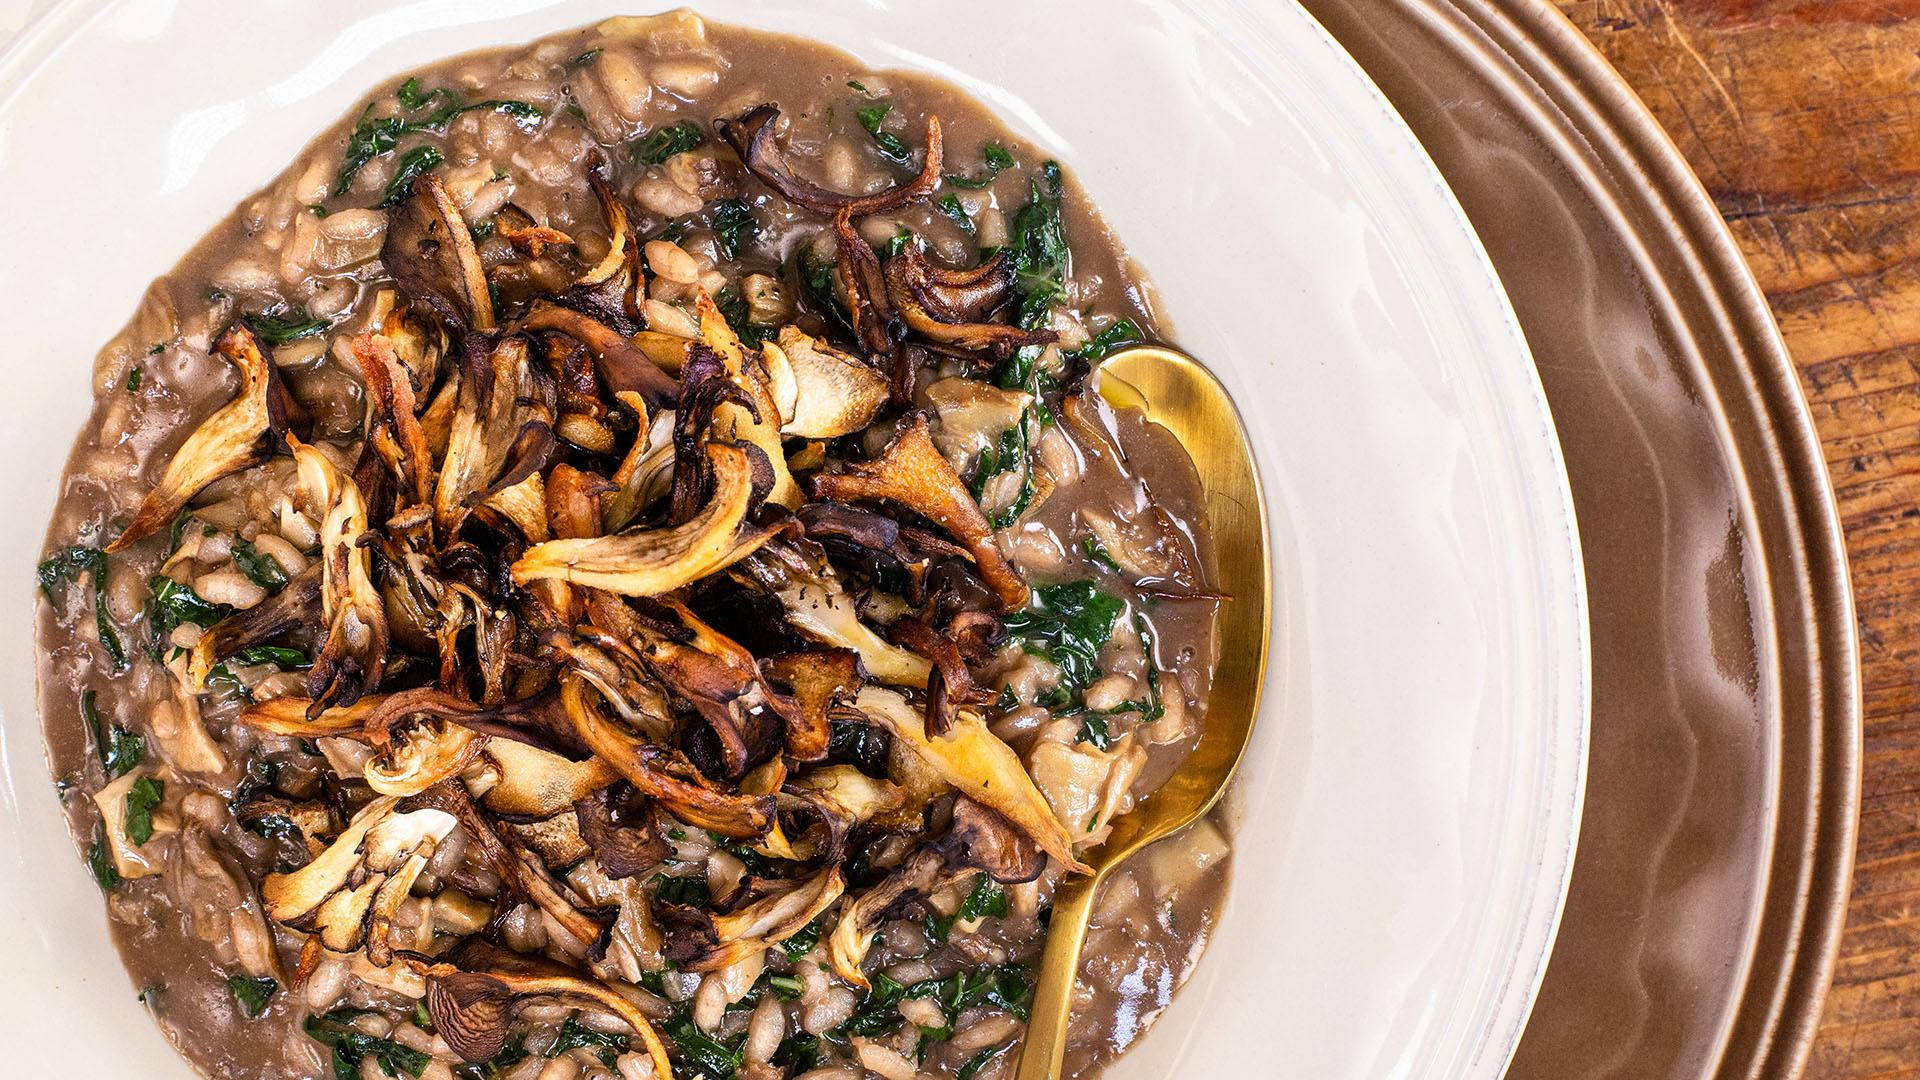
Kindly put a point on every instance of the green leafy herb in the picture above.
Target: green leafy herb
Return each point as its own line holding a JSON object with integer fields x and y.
{"x": 101, "y": 862}
{"x": 274, "y": 827}
{"x": 582, "y": 60}
{"x": 172, "y": 604}
{"x": 377, "y": 135}
{"x": 733, "y": 223}
{"x": 663, "y": 143}
{"x": 803, "y": 942}
{"x": 949, "y": 205}
{"x": 863, "y": 746}
{"x": 67, "y": 565}
{"x": 277, "y": 655}
{"x": 1150, "y": 708}
{"x": 1009, "y": 454}
{"x": 1069, "y": 627}
{"x": 1093, "y": 729}
{"x": 1119, "y": 333}
{"x": 1041, "y": 262}
{"x": 798, "y": 1053}
{"x": 689, "y": 891}
{"x": 482, "y": 231}
{"x": 497, "y": 1066}
{"x": 350, "y": 1047}
{"x": 133, "y": 379}
{"x": 178, "y": 529}
{"x": 120, "y": 750}
{"x": 573, "y": 1036}
{"x": 873, "y": 118}
{"x": 156, "y": 350}
{"x": 733, "y": 307}
{"x": 317, "y": 209}
{"x": 675, "y": 232}
{"x": 422, "y": 1017}
{"x": 997, "y": 159}
{"x": 858, "y": 85}
{"x": 977, "y": 1062}
{"x": 704, "y": 1055}
{"x": 251, "y": 993}
{"x": 987, "y": 900}
{"x": 413, "y": 164}
{"x": 277, "y": 328}
{"x": 1098, "y": 554}
{"x": 142, "y": 798}
{"x": 260, "y": 568}
{"x": 1003, "y": 985}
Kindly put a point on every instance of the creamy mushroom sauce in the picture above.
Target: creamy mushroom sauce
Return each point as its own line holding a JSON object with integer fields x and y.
{"x": 1115, "y": 505}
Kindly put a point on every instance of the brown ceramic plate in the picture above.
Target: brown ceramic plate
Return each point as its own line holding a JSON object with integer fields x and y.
{"x": 1711, "y": 880}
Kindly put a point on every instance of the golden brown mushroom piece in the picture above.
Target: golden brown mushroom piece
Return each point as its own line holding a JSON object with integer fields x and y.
{"x": 834, "y": 394}
{"x": 472, "y": 1009}
{"x": 912, "y": 474}
{"x": 816, "y": 679}
{"x": 949, "y": 307}
{"x": 701, "y": 941}
{"x": 974, "y": 761}
{"x": 352, "y": 657}
{"x": 752, "y": 136}
{"x": 647, "y": 562}
{"x": 226, "y": 442}
{"x": 431, "y": 256}
{"x": 348, "y": 895}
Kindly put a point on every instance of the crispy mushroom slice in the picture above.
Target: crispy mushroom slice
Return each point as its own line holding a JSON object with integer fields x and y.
{"x": 431, "y": 256}
{"x": 624, "y": 367}
{"x": 974, "y": 760}
{"x": 226, "y": 442}
{"x": 951, "y": 684}
{"x": 534, "y": 783}
{"x": 295, "y": 607}
{"x": 501, "y": 433}
{"x": 851, "y": 795}
{"x": 660, "y": 773}
{"x": 393, "y": 430}
{"x": 348, "y": 895}
{"x": 834, "y": 394}
{"x": 295, "y": 717}
{"x": 758, "y": 426}
{"x": 706, "y": 942}
{"x": 877, "y": 327}
{"x": 424, "y": 754}
{"x": 986, "y": 840}
{"x": 912, "y": 474}
{"x": 472, "y": 1010}
{"x": 753, "y": 138}
{"x": 924, "y": 304}
{"x": 923, "y": 872}
{"x": 816, "y": 678}
{"x": 621, "y": 834}
{"x": 352, "y": 658}
{"x": 818, "y": 607}
{"x": 647, "y": 562}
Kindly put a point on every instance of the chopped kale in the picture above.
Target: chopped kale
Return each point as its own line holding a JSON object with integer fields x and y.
{"x": 377, "y": 135}
{"x": 873, "y": 118}
{"x": 101, "y": 862}
{"x": 704, "y": 1055}
{"x": 145, "y": 794}
{"x": 67, "y": 565}
{"x": 949, "y": 204}
{"x": 798, "y": 1053}
{"x": 733, "y": 308}
{"x": 863, "y": 746}
{"x": 733, "y": 223}
{"x": 350, "y": 1047}
{"x": 1119, "y": 333}
{"x": 1097, "y": 553}
{"x": 172, "y": 604}
{"x": 573, "y": 1036}
{"x": 663, "y": 143}
{"x": 413, "y": 164}
{"x": 260, "y": 568}
{"x": 1094, "y": 730}
{"x": 278, "y": 655}
{"x": 689, "y": 891}
{"x": 987, "y": 900}
{"x": 251, "y": 994}
{"x": 977, "y": 1062}
{"x": 277, "y": 328}
{"x": 1041, "y": 262}
{"x": 997, "y": 160}
{"x": 803, "y": 942}
{"x": 583, "y": 60}
{"x": 133, "y": 380}
{"x": 120, "y": 750}
{"x": 1069, "y": 627}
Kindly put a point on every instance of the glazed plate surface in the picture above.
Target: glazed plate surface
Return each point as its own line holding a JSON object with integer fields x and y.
{"x": 1406, "y": 817}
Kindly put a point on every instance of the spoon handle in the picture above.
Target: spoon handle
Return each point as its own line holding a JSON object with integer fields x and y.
{"x": 1046, "y": 1041}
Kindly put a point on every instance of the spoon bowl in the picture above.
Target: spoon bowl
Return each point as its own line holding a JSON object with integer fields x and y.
{"x": 1177, "y": 392}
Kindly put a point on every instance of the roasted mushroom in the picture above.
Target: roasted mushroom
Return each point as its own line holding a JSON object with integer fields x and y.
{"x": 752, "y": 136}
{"x": 226, "y": 442}
{"x": 349, "y": 893}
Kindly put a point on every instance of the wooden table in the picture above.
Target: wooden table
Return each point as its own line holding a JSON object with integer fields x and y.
{"x": 1802, "y": 117}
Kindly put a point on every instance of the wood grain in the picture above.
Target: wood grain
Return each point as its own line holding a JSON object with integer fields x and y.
{"x": 1802, "y": 118}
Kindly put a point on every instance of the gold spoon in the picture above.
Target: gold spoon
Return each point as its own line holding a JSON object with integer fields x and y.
{"x": 1176, "y": 392}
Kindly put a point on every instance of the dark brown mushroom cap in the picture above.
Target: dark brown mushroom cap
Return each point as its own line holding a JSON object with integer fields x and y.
{"x": 431, "y": 256}
{"x": 470, "y": 1011}
{"x": 984, "y": 840}
{"x": 752, "y": 136}
{"x": 623, "y": 845}
{"x": 951, "y": 684}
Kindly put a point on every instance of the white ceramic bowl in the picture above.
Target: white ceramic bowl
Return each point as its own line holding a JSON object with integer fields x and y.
{"x": 1408, "y": 812}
